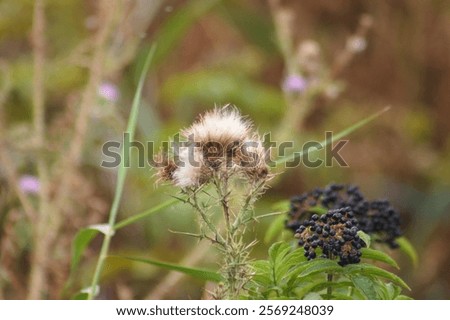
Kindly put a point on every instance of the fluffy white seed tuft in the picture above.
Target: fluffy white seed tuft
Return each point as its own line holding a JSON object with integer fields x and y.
{"x": 189, "y": 172}
{"x": 223, "y": 125}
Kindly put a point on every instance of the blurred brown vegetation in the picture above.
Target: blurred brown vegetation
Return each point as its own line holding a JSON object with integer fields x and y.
{"x": 210, "y": 52}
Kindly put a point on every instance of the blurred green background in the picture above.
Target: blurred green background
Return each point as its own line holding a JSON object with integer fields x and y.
{"x": 217, "y": 52}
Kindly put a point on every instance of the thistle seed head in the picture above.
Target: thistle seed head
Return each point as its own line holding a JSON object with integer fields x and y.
{"x": 221, "y": 141}
{"x": 223, "y": 126}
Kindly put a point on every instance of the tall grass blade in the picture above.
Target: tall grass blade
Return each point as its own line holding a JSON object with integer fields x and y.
{"x": 122, "y": 173}
{"x": 338, "y": 136}
{"x": 202, "y": 274}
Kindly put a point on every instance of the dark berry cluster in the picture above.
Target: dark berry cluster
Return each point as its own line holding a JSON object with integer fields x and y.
{"x": 381, "y": 219}
{"x": 373, "y": 217}
{"x": 334, "y": 233}
{"x": 302, "y": 207}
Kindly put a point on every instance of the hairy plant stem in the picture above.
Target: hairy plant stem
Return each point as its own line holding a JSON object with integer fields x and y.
{"x": 244, "y": 216}
{"x": 218, "y": 237}
{"x": 236, "y": 252}
{"x": 233, "y": 251}
{"x": 230, "y": 241}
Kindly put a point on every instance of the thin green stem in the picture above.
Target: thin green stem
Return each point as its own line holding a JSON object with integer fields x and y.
{"x": 121, "y": 176}
{"x": 145, "y": 214}
{"x": 330, "y": 287}
{"x": 338, "y": 136}
{"x": 350, "y": 291}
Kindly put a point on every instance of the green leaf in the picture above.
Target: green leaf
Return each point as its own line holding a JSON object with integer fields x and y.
{"x": 378, "y": 256}
{"x": 320, "y": 265}
{"x": 312, "y": 296}
{"x": 341, "y": 296}
{"x": 409, "y": 249}
{"x": 364, "y": 237}
{"x": 392, "y": 291}
{"x": 323, "y": 284}
{"x": 318, "y": 285}
{"x": 84, "y": 237}
{"x": 289, "y": 267}
{"x": 366, "y": 286}
{"x": 79, "y": 244}
{"x": 367, "y": 269}
{"x": 262, "y": 273}
{"x": 278, "y": 251}
{"x": 275, "y": 228}
{"x": 202, "y": 274}
{"x": 80, "y": 296}
{"x": 145, "y": 214}
{"x": 403, "y": 297}
{"x": 282, "y": 205}
{"x": 277, "y": 254}
{"x": 338, "y": 136}
{"x": 294, "y": 258}
{"x": 381, "y": 289}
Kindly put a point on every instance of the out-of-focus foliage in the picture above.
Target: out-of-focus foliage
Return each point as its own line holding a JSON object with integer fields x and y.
{"x": 218, "y": 52}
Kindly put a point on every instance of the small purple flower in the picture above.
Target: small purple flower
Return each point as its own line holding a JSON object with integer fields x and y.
{"x": 109, "y": 92}
{"x": 29, "y": 184}
{"x": 294, "y": 84}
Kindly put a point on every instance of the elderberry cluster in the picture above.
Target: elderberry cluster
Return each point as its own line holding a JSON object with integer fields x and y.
{"x": 373, "y": 217}
{"x": 334, "y": 233}
{"x": 382, "y": 220}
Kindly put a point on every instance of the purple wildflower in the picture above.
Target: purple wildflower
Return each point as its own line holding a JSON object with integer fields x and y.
{"x": 29, "y": 184}
{"x": 294, "y": 84}
{"x": 109, "y": 92}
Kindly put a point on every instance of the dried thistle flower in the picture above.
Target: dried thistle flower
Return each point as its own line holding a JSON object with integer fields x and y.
{"x": 221, "y": 141}
{"x": 251, "y": 158}
{"x": 167, "y": 170}
{"x": 224, "y": 126}
{"x": 190, "y": 171}
{"x": 221, "y": 146}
